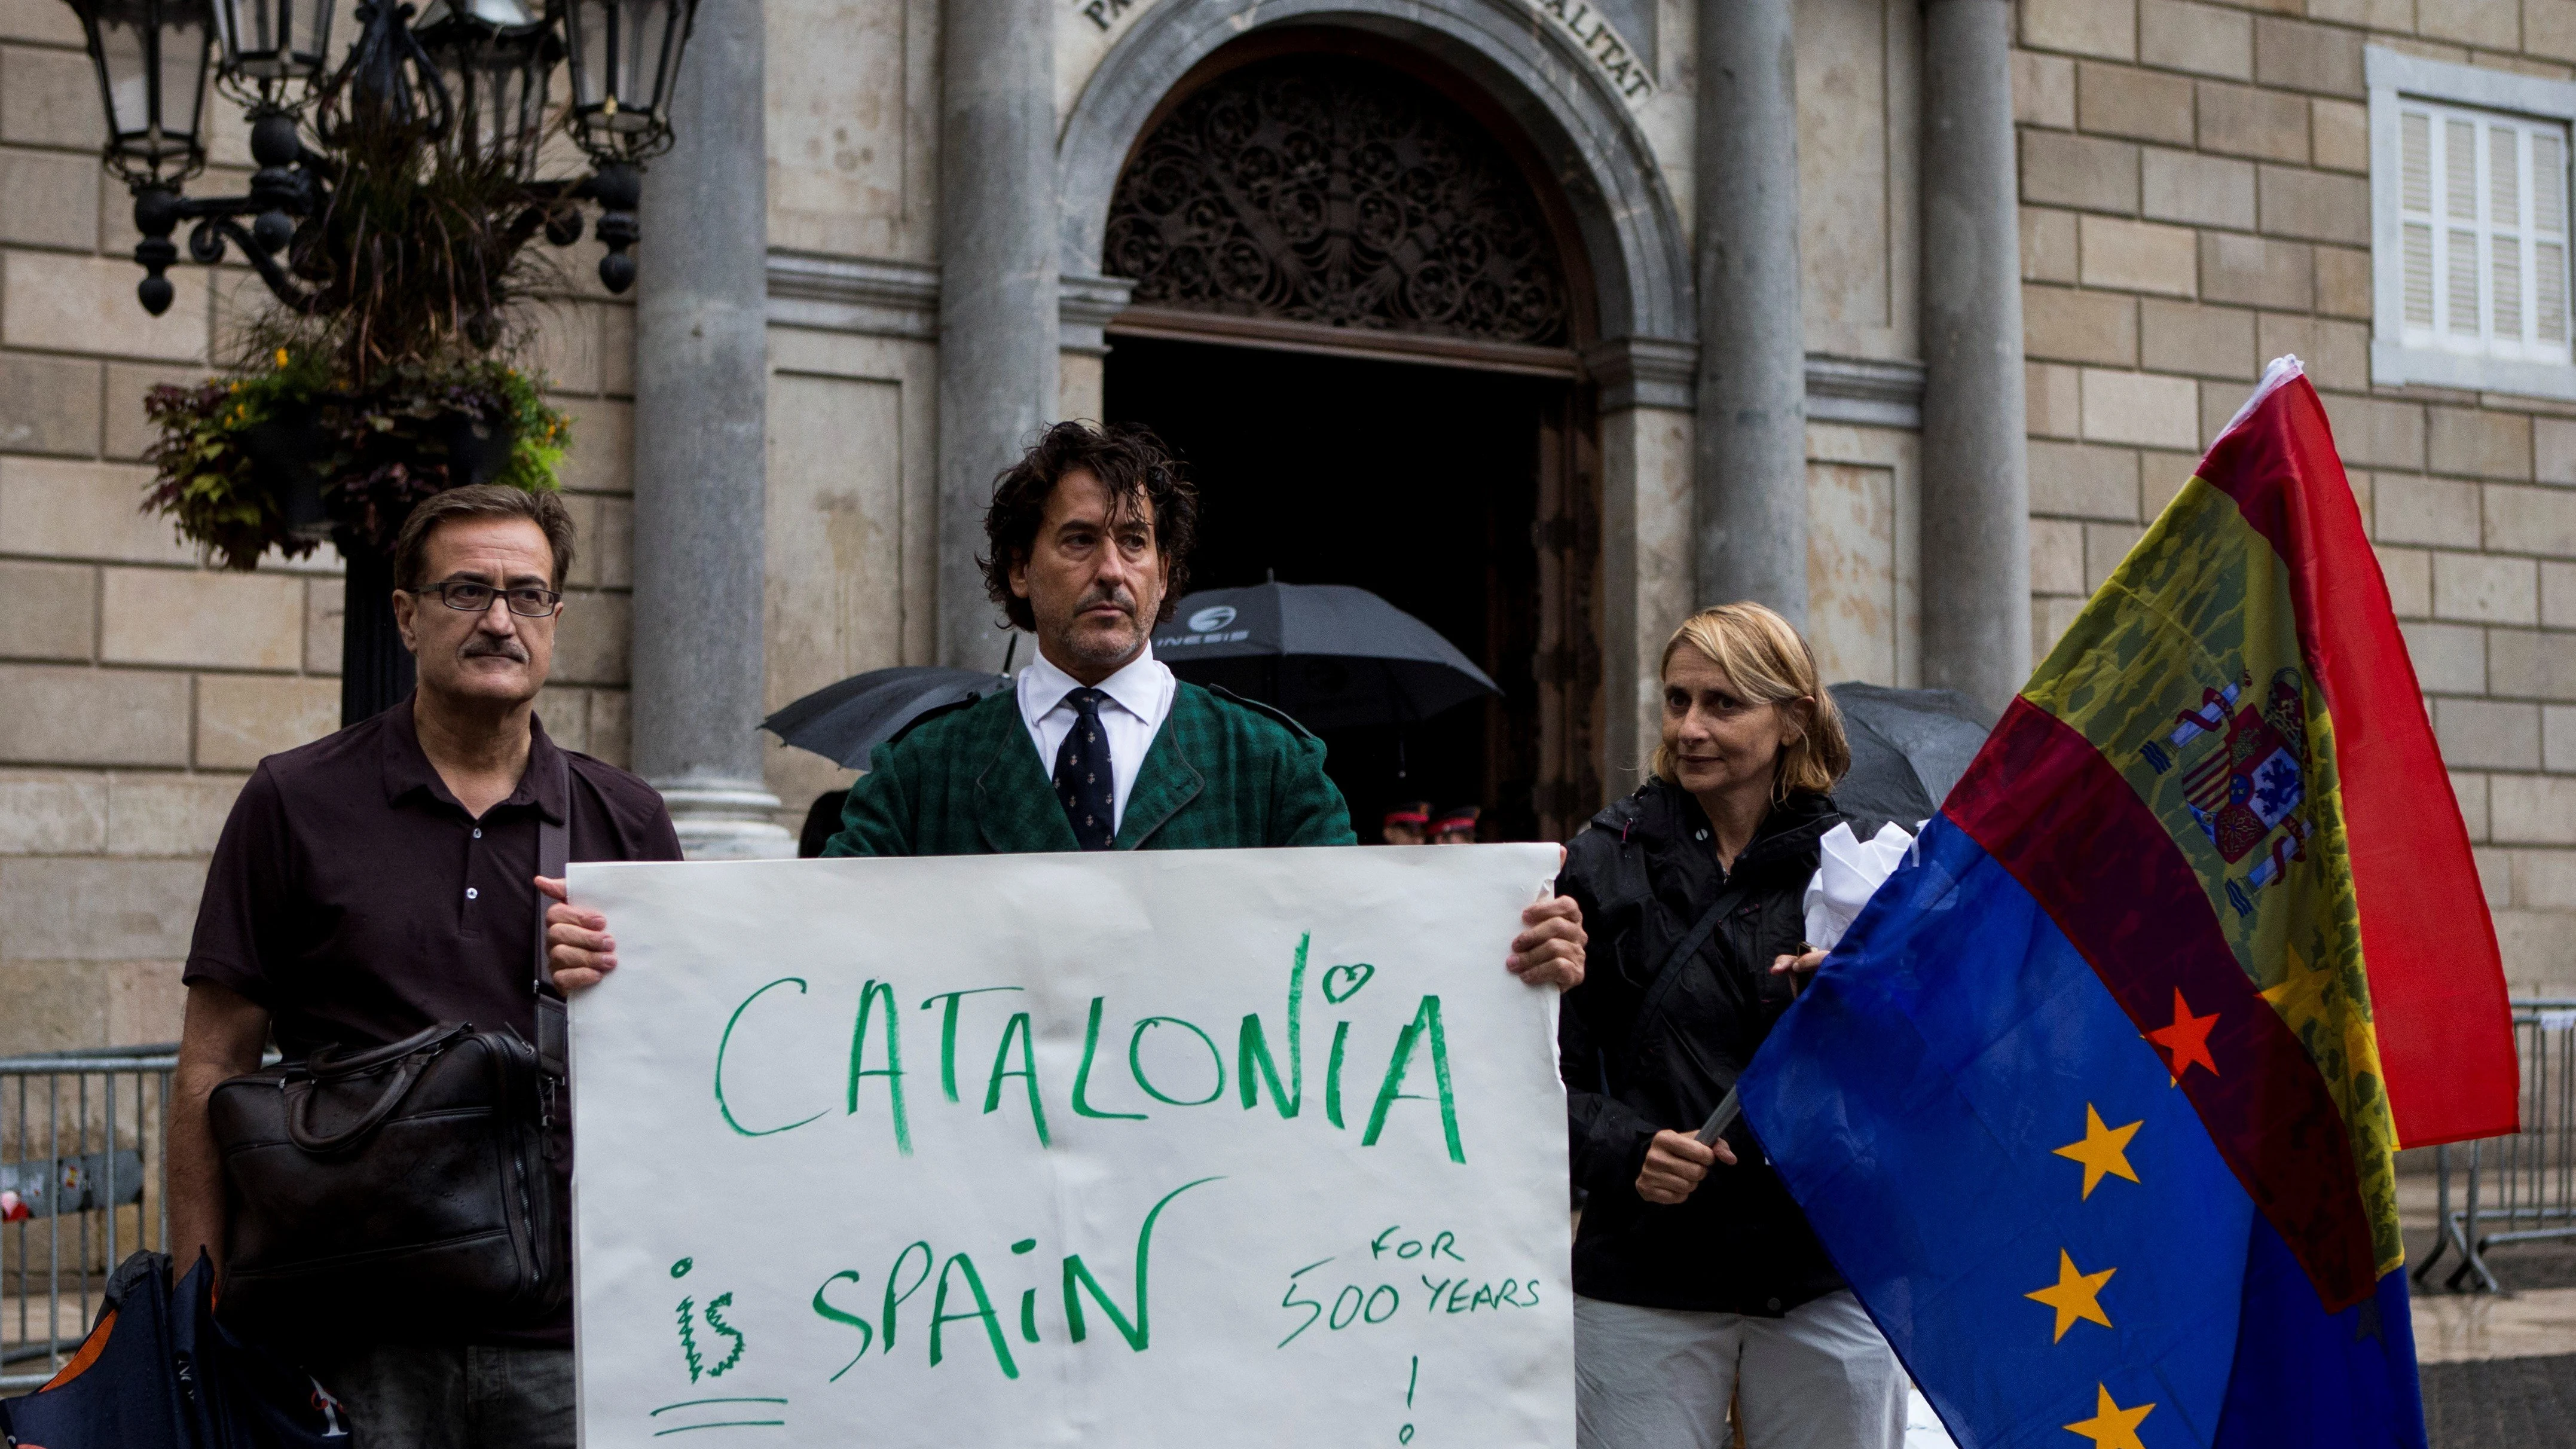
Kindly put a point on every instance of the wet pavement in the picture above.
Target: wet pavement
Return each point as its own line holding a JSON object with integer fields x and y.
{"x": 2499, "y": 1370}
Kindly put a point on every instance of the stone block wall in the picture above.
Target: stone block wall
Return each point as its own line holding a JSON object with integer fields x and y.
{"x": 137, "y": 686}
{"x": 2196, "y": 200}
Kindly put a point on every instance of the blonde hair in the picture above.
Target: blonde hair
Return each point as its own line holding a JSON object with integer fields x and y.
{"x": 1767, "y": 661}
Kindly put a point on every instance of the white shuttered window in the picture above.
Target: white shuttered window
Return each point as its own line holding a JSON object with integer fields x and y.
{"x": 2483, "y": 221}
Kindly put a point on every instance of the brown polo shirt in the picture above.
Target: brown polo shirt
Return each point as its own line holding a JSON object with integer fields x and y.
{"x": 357, "y": 901}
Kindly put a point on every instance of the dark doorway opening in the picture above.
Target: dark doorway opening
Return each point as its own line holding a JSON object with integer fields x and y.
{"x": 1422, "y": 484}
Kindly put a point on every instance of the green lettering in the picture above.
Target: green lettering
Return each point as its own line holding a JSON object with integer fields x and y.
{"x": 1426, "y": 1022}
{"x": 1136, "y": 1068}
{"x": 894, "y": 1300}
{"x": 1139, "y": 1333}
{"x": 892, "y": 1071}
{"x": 948, "y": 1033}
{"x": 1082, "y": 1077}
{"x": 1020, "y": 1029}
{"x": 1333, "y": 1074}
{"x": 1253, "y": 1046}
{"x": 867, "y": 1333}
{"x": 940, "y": 1317}
{"x": 726, "y": 1040}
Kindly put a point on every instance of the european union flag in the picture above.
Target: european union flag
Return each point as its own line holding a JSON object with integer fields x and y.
{"x": 2096, "y": 1105}
{"x": 2033, "y": 1211}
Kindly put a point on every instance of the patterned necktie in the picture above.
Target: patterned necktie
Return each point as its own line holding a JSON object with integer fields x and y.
{"x": 1082, "y": 778}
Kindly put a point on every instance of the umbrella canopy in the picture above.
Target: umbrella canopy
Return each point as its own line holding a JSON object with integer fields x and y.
{"x": 1329, "y": 654}
{"x": 1909, "y": 746}
{"x": 843, "y": 722}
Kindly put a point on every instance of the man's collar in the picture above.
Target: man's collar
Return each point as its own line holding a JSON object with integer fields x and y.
{"x": 1138, "y": 686}
{"x": 407, "y": 767}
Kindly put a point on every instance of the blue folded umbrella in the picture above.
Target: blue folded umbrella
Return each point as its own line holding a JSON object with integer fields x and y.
{"x": 158, "y": 1372}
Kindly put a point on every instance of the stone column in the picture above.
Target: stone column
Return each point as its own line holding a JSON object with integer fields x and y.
{"x": 1751, "y": 474}
{"x": 701, "y": 399}
{"x": 998, "y": 323}
{"x": 1976, "y": 483}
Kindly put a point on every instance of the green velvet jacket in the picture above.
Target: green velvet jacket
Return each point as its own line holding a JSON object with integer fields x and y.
{"x": 1221, "y": 774}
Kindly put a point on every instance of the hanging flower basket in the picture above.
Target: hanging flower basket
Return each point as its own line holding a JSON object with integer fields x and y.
{"x": 281, "y": 457}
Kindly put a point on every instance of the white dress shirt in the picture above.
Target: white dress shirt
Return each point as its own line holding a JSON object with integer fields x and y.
{"x": 1139, "y": 698}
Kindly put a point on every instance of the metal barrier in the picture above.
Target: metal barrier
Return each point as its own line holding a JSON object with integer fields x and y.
{"x": 2521, "y": 1188}
{"x": 80, "y": 1188}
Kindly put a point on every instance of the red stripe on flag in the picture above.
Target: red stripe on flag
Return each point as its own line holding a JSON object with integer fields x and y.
{"x": 2046, "y": 805}
{"x": 2437, "y": 989}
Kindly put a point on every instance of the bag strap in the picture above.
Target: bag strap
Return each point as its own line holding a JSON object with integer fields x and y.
{"x": 1670, "y": 973}
{"x": 554, "y": 849}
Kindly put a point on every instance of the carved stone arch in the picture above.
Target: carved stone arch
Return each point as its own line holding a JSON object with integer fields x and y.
{"x": 1631, "y": 234}
{"x": 1330, "y": 188}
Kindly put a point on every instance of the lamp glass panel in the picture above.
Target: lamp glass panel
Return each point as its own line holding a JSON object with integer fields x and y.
{"x": 593, "y": 26}
{"x": 182, "y": 60}
{"x": 639, "y": 81}
{"x": 127, "y": 38}
{"x": 267, "y": 40}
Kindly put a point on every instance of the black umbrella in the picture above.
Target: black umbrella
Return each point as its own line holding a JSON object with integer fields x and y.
{"x": 843, "y": 722}
{"x": 1329, "y": 654}
{"x": 1909, "y": 746}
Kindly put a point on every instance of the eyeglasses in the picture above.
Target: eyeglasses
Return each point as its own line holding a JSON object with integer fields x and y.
{"x": 528, "y": 601}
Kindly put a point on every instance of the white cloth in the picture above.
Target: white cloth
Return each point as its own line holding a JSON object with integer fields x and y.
{"x": 1662, "y": 1378}
{"x": 1852, "y": 871}
{"x": 1140, "y": 699}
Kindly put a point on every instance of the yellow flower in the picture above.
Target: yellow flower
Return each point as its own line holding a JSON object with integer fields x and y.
{"x": 281, "y": 357}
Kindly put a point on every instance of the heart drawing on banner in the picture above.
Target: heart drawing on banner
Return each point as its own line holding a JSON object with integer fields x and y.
{"x": 1348, "y": 980}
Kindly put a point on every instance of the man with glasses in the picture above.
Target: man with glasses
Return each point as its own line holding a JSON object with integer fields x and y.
{"x": 384, "y": 879}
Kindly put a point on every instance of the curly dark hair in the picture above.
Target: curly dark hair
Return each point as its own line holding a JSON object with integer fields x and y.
{"x": 1130, "y": 462}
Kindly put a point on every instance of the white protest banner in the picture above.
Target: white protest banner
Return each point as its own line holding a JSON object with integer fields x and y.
{"x": 1134, "y": 1149}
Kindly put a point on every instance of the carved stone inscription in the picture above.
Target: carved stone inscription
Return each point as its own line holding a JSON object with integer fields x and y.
{"x": 1322, "y": 189}
{"x": 1620, "y": 64}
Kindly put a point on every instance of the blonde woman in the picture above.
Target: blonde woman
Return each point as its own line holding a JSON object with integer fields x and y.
{"x": 1697, "y": 1281}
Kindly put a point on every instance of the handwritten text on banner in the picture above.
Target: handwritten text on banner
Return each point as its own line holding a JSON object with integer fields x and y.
{"x": 1255, "y": 1147}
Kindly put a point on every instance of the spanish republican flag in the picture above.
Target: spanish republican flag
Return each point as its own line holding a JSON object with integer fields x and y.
{"x": 2095, "y": 1104}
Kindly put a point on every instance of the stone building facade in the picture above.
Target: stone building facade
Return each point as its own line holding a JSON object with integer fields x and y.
{"x": 1818, "y": 268}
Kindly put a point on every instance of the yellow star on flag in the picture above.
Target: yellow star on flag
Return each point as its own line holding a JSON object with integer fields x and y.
{"x": 2074, "y": 1295}
{"x": 2111, "y": 1426}
{"x": 2104, "y": 1150}
{"x": 2300, "y": 996}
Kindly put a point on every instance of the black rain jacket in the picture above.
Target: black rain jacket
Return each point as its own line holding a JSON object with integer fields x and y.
{"x": 1644, "y": 872}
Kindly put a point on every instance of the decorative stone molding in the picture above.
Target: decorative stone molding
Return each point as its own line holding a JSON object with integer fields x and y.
{"x": 1643, "y": 372}
{"x": 853, "y": 294}
{"x": 1085, "y": 305}
{"x": 1874, "y": 394}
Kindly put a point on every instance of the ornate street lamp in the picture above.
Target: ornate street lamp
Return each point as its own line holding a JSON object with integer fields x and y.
{"x": 625, "y": 55}
{"x": 150, "y": 56}
{"x": 269, "y": 45}
{"x": 498, "y": 63}
{"x": 471, "y": 81}
{"x": 396, "y": 189}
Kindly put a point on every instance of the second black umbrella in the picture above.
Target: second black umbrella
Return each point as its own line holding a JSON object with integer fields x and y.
{"x": 1331, "y": 655}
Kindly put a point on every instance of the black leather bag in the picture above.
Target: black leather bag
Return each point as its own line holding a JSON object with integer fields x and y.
{"x": 406, "y": 1190}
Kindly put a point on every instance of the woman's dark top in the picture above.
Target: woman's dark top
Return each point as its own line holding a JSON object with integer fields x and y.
{"x": 1644, "y": 872}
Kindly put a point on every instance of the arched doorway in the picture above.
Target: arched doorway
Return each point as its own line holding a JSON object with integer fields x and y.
{"x": 1359, "y": 319}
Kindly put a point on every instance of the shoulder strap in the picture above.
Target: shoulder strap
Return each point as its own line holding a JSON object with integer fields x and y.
{"x": 1678, "y": 959}
{"x": 554, "y": 848}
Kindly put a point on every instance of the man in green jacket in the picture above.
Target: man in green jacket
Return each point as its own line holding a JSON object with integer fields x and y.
{"x": 1087, "y": 547}
{"x": 1098, "y": 746}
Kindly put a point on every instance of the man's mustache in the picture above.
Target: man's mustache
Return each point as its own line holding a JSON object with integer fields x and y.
{"x": 485, "y": 645}
{"x": 1125, "y": 601}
